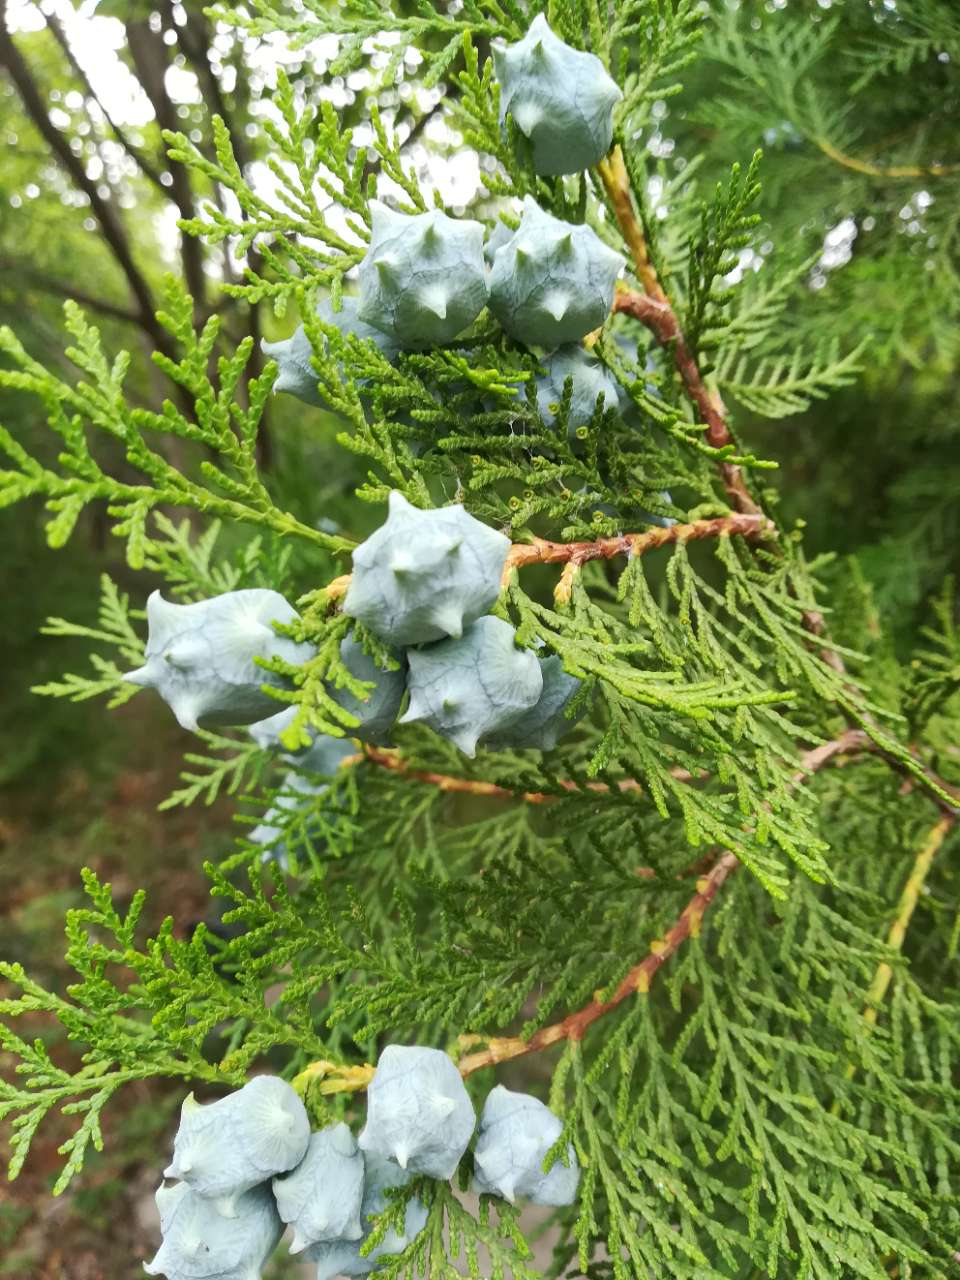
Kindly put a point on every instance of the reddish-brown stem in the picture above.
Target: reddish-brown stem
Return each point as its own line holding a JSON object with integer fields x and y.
{"x": 659, "y": 317}
{"x": 540, "y": 551}
{"x": 389, "y": 759}
{"x": 654, "y": 309}
{"x": 574, "y": 1025}
{"x": 687, "y": 925}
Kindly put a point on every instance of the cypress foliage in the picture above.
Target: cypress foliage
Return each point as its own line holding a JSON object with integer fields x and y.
{"x": 722, "y": 908}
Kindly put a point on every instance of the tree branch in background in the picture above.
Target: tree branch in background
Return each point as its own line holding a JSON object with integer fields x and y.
{"x": 106, "y": 214}
{"x": 136, "y": 154}
{"x": 905, "y": 909}
{"x": 49, "y": 284}
{"x": 149, "y": 55}
{"x": 881, "y": 171}
{"x": 194, "y": 38}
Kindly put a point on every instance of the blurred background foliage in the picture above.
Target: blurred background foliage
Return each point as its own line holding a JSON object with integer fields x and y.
{"x": 854, "y": 104}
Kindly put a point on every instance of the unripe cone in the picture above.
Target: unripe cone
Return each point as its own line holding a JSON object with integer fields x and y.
{"x": 425, "y": 574}
{"x": 473, "y": 687}
{"x": 516, "y": 1132}
{"x": 553, "y": 282}
{"x": 561, "y": 98}
{"x": 229, "y": 1146}
{"x": 201, "y": 657}
{"x": 418, "y": 1111}
{"x": 423, "y": 279}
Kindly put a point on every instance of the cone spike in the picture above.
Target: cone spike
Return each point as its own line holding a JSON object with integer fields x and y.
{"x": 158, "y": 608}
{"x": 467, "y": 741}
{"x": 527, "y": 115}
{"x": 450, "y": 618}
{"x": 186, "y": 716}
{"x": 434, "y": 299}
{"x": 415, "y": 711}
{"x": 556, "y": 304}
{"x": 287, "y": 381}
{"x": 402, "y": 1155}
{"x": 185, "y": 653}
{"x": 141, "y": 676}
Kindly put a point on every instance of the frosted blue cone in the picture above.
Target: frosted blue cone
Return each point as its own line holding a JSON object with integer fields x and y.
{"x": 425, "y": 574}
{"x": 204, "y": 1239}
{"x": 543, "y": 724}
{"x": 321, "y": 1198}
{"x": 554, "y": 281}
{"x": 516, "y": 1132}
{"x": 227, "y": 1147}
{"x": 561, "y": 98}
{"x": 418, "y": 1112}
{"x": 342, "y": 1257}
{"x": 473, "y": 687}
{"x": 201, "y": 657}
{"x": 297, "y": 375}
{"x": 423, "y": 280}
{"x": 496, "y": 239}
{"x": 378, "y": 713}
{"x": 590, "y": 379}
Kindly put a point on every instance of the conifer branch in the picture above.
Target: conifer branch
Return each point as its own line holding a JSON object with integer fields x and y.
{"x": 575, "y": 1025}
{"x": 905, "y": 909}
{"x": 884, "y": 171}
{"x": 687, "y": 925}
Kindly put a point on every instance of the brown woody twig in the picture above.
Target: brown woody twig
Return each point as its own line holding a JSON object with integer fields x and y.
{"x": 574, "y": 1026}
{"x": 687, "y": 925}
{"x": 653, "y": 308}
{"x": 388, "y": 758}
{"x": 540, "y": 551}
